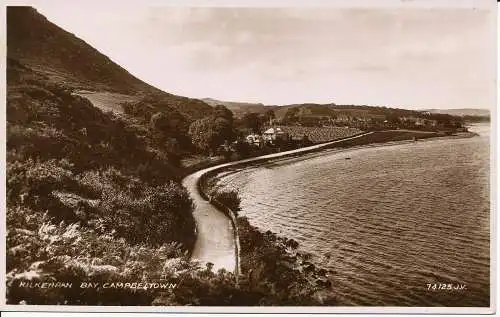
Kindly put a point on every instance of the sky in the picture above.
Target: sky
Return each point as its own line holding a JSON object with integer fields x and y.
{"x": 399, "y": 55}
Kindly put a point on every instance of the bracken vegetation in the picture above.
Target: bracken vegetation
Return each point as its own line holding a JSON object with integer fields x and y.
{"x": 87, "y": 197}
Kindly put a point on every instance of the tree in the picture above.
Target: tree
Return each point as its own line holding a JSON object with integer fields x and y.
{"x": 171, "y": 123}
{"x": 223, "y": 130}
{"x": 392, "y": 118}
{"x": 291, "y": 115}
{"x": 170, "y": 127}
{"x": 201, "y": 134}
{"x": 269, "y": 115}
{"x": 252, "y": 121}
{"x": 209, "y": 133}
{"x": 221, "y": 111}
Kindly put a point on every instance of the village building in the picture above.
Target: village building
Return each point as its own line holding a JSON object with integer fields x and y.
{"x": 274, "y": 134}
{"x": 342, "y": 118}
{"x": 255, "y": 140}
{"x": 419, "y": 121}
{"x": 425, "y": 122}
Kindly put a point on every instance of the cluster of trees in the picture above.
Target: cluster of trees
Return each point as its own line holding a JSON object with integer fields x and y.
{"x": 165, "y": 126}
{"x": 217, "y": 133}
{"x": 254, "y": 122}
{"x": 209, "y": 133}
{"x": 179, "y": 134}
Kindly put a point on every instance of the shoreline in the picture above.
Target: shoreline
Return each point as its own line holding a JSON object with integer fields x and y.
{"x": 196, "y": 181}
{"x": 212, "y": 244}
{"x": 206, "y": 211}
{"x": 333, "y": 150}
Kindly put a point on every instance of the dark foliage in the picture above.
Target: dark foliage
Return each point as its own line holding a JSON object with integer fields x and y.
{"x": 253, "y": 122}
{"x": 209, "y": 133}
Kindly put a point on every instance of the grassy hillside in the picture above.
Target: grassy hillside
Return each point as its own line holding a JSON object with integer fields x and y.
{"x": 333, "y": 110}
{"x": 357, "y": 116}
{"x": 312, "y": 110}
{"x": 38, "y": 43}
{"x": 69, "y": 61}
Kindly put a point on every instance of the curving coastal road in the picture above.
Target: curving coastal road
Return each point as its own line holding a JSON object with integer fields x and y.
{"x": 215, "y": 237}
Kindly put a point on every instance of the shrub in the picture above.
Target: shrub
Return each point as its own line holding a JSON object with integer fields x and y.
{"x": 229, "y": 198}
{"x": 70, "y": 253}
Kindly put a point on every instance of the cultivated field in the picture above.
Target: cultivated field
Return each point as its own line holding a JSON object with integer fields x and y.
{"x": 320, "y": 134}
{"x": 107, "y": 101}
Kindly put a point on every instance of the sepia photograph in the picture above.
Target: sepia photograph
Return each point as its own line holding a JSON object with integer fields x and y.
{"x": 202, "y": 156}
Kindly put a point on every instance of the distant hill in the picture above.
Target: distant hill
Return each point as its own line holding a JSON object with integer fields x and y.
{"x": 314, "y": 110}
{"x": 304, "y": 110}
{"x": 239, "y": 108}
{"x": 65, "y": 59}
{"x": 307, "y": 110}
{"x": 462, "y": 112}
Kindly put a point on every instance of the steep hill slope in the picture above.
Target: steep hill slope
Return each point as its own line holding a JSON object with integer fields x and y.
{"x": 44, "y": 46}
{"x": 69, "y": 61}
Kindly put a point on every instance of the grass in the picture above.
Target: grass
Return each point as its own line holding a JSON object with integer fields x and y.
{"x": 108, "y": 101}
{"x": 386, "y": 136}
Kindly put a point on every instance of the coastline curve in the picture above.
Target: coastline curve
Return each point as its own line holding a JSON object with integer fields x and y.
{"x": 217, "y": 238}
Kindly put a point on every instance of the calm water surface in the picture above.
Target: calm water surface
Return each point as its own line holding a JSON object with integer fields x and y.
{"x": 387, "y": 221}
